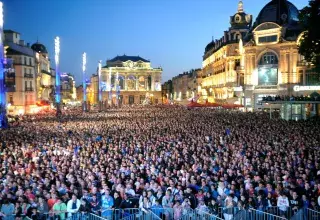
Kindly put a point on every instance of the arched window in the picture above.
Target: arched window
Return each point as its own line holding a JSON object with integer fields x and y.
{"x": 142, "y": 82}
{"x": 268, "y": 58}
{"x": 268, "y": 69}
{"x": 121, "y": 82}
{"x": 131, "y": 83}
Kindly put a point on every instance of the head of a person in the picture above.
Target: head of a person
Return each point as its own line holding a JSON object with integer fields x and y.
{"x": 74, "y": 197}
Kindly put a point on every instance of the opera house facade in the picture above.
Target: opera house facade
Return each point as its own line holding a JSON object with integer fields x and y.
{"x": 128, "y": 80}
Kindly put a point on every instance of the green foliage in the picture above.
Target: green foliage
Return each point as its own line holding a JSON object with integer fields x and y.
{"x": 310, "y": 43}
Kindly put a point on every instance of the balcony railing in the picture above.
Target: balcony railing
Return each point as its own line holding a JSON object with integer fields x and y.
{"x": 29, "y": 89}
{"x": 301, "y": 63}
{"x": 28, "y": 75}
{"x": 11, "y": 89}
{"x": 29, "y": 103}
{"x": 11, "y": 75}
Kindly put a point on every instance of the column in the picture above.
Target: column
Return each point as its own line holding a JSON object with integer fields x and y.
{"x": 152, "y": 82}
{"x": 125, "y": 83}
{"x": 137, "y": 83}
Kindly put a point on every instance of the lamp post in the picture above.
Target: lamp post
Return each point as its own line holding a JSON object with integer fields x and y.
{"x": 3, "y": 103}
{"x": 99, "y": 86}
{"x": 58, "y": 83}
{"x": 110, "y": 88}
{"x": 117, "y": 89}
{"x": 84, "y": 63}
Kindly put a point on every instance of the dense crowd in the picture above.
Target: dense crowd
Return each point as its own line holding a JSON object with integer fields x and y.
{"x": 314, "y": 97}
{"x": 156, "y": 157}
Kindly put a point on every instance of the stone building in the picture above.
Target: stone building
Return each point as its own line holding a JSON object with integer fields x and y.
{"x": 128, "y": 80}
{"x": 254, "y": 61}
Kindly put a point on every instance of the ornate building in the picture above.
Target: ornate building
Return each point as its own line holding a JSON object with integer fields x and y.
{"x": 131, "y": 79}
{"x": 259, "y": 60}
{"x": 45, "y": 80}
{"x": 222, "y": 60}
{"x": 272, "y": 64}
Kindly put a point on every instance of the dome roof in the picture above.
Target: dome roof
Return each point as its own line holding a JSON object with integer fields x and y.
{"x": 210, "y": 46}
{"x": 40, "y": 48}
{"x": 240, "y": 20}
{"x": 281, "y": 12}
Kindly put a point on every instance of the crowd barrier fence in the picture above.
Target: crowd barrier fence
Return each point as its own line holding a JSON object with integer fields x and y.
{"x": 234, "y": 213}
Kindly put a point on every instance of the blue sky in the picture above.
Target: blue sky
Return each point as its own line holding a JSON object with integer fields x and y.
{"x": 170, "y": 33}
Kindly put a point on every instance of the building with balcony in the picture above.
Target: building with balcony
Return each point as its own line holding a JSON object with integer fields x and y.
{"x": 128, "y": 80}
{"x": 68, "y": 88}
{"x": 45, "y": 78}
{"x": 222, "y": 61}
{"x": 186, "y": 86}
{"x": 21, "y": 80}
{"x": 167, "y": 91}
{"x": 263, "y": 62}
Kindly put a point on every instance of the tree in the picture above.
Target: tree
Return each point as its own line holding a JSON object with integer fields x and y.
{"x": 310, "y": 42}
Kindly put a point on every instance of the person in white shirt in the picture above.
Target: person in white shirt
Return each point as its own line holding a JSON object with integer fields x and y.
{"x": 129, "y": 190}
{"x": 283, "y": 204}
{"x": 73, "y": 206}
{"x": 151, "y": 197}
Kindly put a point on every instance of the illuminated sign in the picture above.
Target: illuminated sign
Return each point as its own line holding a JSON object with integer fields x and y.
{"x": 237, "y": 89}
{"x": 305, "y": 88}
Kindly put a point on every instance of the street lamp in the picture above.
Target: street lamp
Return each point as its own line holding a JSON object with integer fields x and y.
{"x": 84, "y": 63}
{"x": 3, "y": 107}
{"x": 99, "y": 86}
{"x": 58, "y": 83}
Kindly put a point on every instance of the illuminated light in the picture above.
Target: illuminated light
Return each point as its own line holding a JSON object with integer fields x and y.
{"x": 21, "y": 112}
{"x": 84, "y": 62}
{"x": 1, "y": 15}
{"x": 84, "y": 85}
{"x": 99, "y": 83}
{"x": 9, "y": 105}
{"x": 57, "y": 49}
{"x": 57, "y": 54}
{"x": 305, "y": 88}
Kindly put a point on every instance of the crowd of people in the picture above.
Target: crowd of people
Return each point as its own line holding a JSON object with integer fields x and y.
{"x": 314, "y": 97}
{"x": 157, "y": 158}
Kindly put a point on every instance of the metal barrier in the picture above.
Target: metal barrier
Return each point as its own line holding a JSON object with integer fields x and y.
{"x": 200, "y": 214}
{"x": 274, "y": 210}
{"x": 311, "y": 214}
{"x": 187, "y": 214}
{"x": 163, "y": 213}
{"x": 94, "y": 217}
{"x": 272, "y": 213}
{"x": 300, "y": 215}
{"x": 227, "y": 213}
{"x": 254, "y": 214}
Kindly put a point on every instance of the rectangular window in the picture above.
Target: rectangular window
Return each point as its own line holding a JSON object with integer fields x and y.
{"x": 312, "y": 79}
{"x": 30, "y": 61}
{"x": 268, "y": 39}
{"x": 25, "y": 85}
{"x": 25, "y": 61}
{"x": 30, "y": 84}
{"x": 11, "y": 99}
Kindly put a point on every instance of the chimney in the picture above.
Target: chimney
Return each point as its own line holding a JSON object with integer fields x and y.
{"x": 21, "y": 43}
